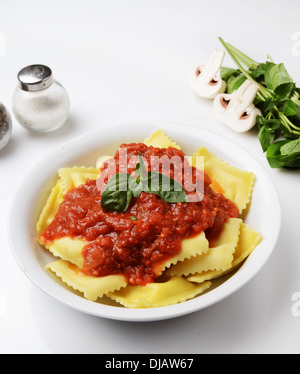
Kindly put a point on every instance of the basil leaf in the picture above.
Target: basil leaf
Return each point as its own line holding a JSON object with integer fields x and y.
{"x": 266, "y": 137}
{"x": 291, "y": 147}
{"x": 136, "y": 185}
{"x": 278, "y": 160}
{"x": 122, "y": 187}
{"x": 139, "y": 184}
{"x": 276, "y": 75}
{"x": 284, "y": 91}
{"x": 166, "y": 188}
{"x": 268, "y": 105}
{"x": 235, "y": 82}
{"x": 140, "y": 168}
{"x": 226, "y": 73}
{"x": 116, "y": 196}
{"x": 288, "y": 107}
{"x": 259, "y": 71}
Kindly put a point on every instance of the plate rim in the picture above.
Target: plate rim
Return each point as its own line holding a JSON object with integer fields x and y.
{"x": 145, "y": 314}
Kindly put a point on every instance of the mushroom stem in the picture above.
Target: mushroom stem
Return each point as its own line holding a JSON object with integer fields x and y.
{"x": 213, "y": 65}
{"x": 206, "y": 82}
{"x": 237, "y": 110}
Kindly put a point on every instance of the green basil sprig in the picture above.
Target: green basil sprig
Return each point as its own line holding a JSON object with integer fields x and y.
{"x": 120, "y": 189}
{"x": 116, "y": 196}
{"x": 278, "y": 99}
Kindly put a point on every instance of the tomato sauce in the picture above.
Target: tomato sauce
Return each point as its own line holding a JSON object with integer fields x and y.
{"x": 150, "y": 231}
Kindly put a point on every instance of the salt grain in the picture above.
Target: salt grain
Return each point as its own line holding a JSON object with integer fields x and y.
{"x": 5, "y": 126}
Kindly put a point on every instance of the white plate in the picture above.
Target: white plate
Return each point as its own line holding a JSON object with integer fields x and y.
{"x": 264, "y": 214}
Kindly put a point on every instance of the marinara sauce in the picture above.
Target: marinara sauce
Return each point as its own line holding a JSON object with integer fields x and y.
{"x": 150, "y": 231}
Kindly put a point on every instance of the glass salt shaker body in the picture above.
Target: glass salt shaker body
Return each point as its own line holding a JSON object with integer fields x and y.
{"x": 5, "y": 126}
{"x": 40, "y": 103}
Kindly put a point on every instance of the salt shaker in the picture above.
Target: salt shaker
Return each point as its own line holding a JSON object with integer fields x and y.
{"x": 40, "y": 103}
{"x": 5, "y": 126}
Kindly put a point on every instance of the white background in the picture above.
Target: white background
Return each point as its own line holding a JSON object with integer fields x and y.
{"x": 130, "y": 60}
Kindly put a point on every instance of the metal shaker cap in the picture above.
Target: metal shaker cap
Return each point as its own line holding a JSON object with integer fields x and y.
{"x": 35, "y": 78}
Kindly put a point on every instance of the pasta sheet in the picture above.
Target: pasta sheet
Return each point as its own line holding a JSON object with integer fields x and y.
{"x": 233, "y": 183}
{"x": 186, "y": 275}
{"x": 173, "y": 291}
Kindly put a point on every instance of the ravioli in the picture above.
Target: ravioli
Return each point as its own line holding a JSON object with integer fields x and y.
{"x": 51, "y": 207}
{"x": 160, "y": 139}
{"x": 233, "y": 183}
{"x": 68, "y": 249}
{"x": 218, "y": 257}
{"x": 75, "y": 176}
{"x": 91, "y": 287}
{"x": 153, "y": 295}
{"x": 187, "y": 274}
{"x": 248, "y": 240}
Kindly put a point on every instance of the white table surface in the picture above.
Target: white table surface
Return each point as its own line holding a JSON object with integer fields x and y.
{"x": 130, "y": 60}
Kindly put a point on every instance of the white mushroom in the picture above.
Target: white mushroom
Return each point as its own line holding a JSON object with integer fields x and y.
{"x": 206, "y": 80}
{"x": 101, "y": 160}
{"x": 237, "y": 110}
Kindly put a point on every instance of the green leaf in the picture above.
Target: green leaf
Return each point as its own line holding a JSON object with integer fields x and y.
{"x": 235, "y": 82}
{"x": 166, "y": 188}
{"x": 288, "y": 107}
{"x": 276, "y": 75}
{"x": 268, "y": 105}
{"x": 278, "y": 160}
{"x": 266, "y": 137}
{"x": 284, "y": 91}
{"x": 140, "y": 168}
{"x": 137, "y": 185}
{"x": 116, "y": 196}
{"x": 258, "y": 72}
{"x": 226, "y": 73}
{"x": 279, "y": 101}
{"x": 291, "y": 147}
{"x": 120, "y": 189}
{"x": 273, "y": 124}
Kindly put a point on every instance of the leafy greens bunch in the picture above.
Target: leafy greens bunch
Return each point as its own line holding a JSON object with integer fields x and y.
{"x": 278, "y": 99}
{"x": 121, "y": 188}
